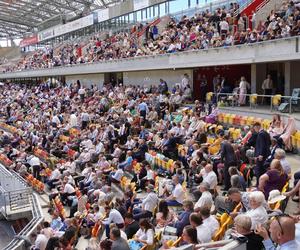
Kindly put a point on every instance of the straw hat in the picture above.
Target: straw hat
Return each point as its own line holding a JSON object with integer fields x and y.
{"x": 275, "y": 196}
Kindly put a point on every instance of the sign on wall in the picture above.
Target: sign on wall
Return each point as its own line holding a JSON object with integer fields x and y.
{"x": 29, "y": 41}
{"x": 140, "y": 4}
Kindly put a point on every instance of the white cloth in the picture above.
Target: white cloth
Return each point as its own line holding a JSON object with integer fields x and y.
{"x": 118, "y": 174}
{"x": 34, "y": 161}
{"x": 73, "y": 120}
{"x": 212, "y": 224}
{"x": 41, "y": 242}
{"x": 69, "y": 189}
{"x": 202, "y": 234}
{"x": 150, "y": 202}
{"x": 178, "y": 193}
{"x": 148, "y": 236}
{"x": 204, "y": 200}
{"x": 258, "y": 216}
{"x": 114, "y": 217}
{"x": 211, "y": 178}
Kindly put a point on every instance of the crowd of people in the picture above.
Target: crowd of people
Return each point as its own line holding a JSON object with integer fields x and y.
{"x": 202, "y": 31}
{"x": 93, "y": 139}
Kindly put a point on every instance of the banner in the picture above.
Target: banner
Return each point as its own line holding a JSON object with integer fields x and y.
{"x": 75, "y": 25}
{"x": 45, "y": 34}
{"x": 29, "y": 41}
{"x": 140, "y": 4}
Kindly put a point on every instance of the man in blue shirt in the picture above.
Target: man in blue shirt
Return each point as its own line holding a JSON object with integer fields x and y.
{"x": 282, "y": 232}
{"x": 143, "y": 109}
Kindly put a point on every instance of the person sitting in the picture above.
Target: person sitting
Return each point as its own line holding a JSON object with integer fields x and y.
{"x": 114, "y": 216}
{"x": 164, "y": 216}
{"x": 145, "y": 234}
{"x": 178, "y": 194}
{"x": 183, "y": 218}
{"x": 126, "y": 165}
{"x": 202, "y": 231}
{"x": 276, "y": 127}
{"x": 281, "y": 156}
{"x": 148, "y": 205}
{"x": 257, "y": 213}
{"x": 242, "y": 225}
{"x": 206, "y": 197}
{"x": 275, "y": 178}
{"x": 189, "y": 235}
{"x": 131, "y": 226}
{"x": 236, "y": 179}
{"x": 282, "y": 232}
{"x": 209, "y": 220}
{"x": 118, "y": 242}
{"x": 116, "y": 177}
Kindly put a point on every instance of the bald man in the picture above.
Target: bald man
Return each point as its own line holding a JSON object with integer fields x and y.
{"x": 178, "y": 195}
{"x": 282, "y": 232}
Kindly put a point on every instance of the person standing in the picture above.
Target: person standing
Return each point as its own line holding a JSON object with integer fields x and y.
{"x": 262, "y": 150}
{"x": 244, "y": 85}
{"x": 267, "y": 86}
{"x": 203, "y": 88}
{"x": 229, "y": 158}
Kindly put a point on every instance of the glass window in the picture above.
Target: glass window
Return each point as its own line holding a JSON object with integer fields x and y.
{"x": 156, "y": 11}
{"x": 162, "y": 9}
{"x": 139, "y": 16}
{"x": 178, "y": 5}
{"x": 193, "y": 3}
{"x": 144, "y": 14}
{"x": 131, "y": 18}
{"x": 149, "y": 12}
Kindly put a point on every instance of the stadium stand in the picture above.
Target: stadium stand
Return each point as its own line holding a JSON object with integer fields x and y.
{"x": 155, "y": 166}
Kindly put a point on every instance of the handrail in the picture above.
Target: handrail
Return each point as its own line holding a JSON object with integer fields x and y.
{"x": 290, "y": 99}
{"x": 157, "y": 56}
{"x": 261, "y": 5}
{"x": 37, "y": 216}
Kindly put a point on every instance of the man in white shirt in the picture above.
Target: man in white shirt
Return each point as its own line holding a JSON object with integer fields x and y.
{"x": 209, "y": 176}
{"x": 178, "y": 195}
{"x": 54, "y": 177}
{"x": 35, "y": 164}
{"x": 206, "y": 197}
{"x": 114, "y": 216}
{"x": 40, "y": 241}
{"x": 73, "y": 120}
{"x": 209, "y": 220}
{"x": 203, "y": 235}
{"x": 148, "y": 205}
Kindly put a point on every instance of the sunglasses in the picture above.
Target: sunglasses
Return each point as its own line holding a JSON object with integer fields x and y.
{"x": 277, "y": 218}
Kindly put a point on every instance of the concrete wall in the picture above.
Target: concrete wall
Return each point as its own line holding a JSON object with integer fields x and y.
{"x": 87, "y": 80}
{"x": 152, "y": 77}
{"x": 271, "y": 51}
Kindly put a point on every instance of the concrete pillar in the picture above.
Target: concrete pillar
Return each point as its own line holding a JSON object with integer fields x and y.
{"x": 287, "y": 78}
{"x": 261, "y": 73}
{"x": 253, "y": 78}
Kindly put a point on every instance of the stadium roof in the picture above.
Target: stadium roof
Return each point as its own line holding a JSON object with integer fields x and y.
{"x": 21, "y": 16}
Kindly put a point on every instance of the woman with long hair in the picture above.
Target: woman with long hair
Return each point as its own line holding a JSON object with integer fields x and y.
{"x": 164, "y": 215}
{"x": 145, "y": 234}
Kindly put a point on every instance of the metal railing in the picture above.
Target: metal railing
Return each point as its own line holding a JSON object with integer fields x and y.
{"x": 37, "y": 218}
{"x": 16, "y": 201}
{"x": 257, "y": 101}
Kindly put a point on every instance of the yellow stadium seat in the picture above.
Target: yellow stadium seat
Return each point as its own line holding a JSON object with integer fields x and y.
{"x": 253, "y": 100}
{"x": 209, "y": 96}
{"x": 295, "y": 137}
{"x": 231, "y": 119}
{"x": 276, "y": 99}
